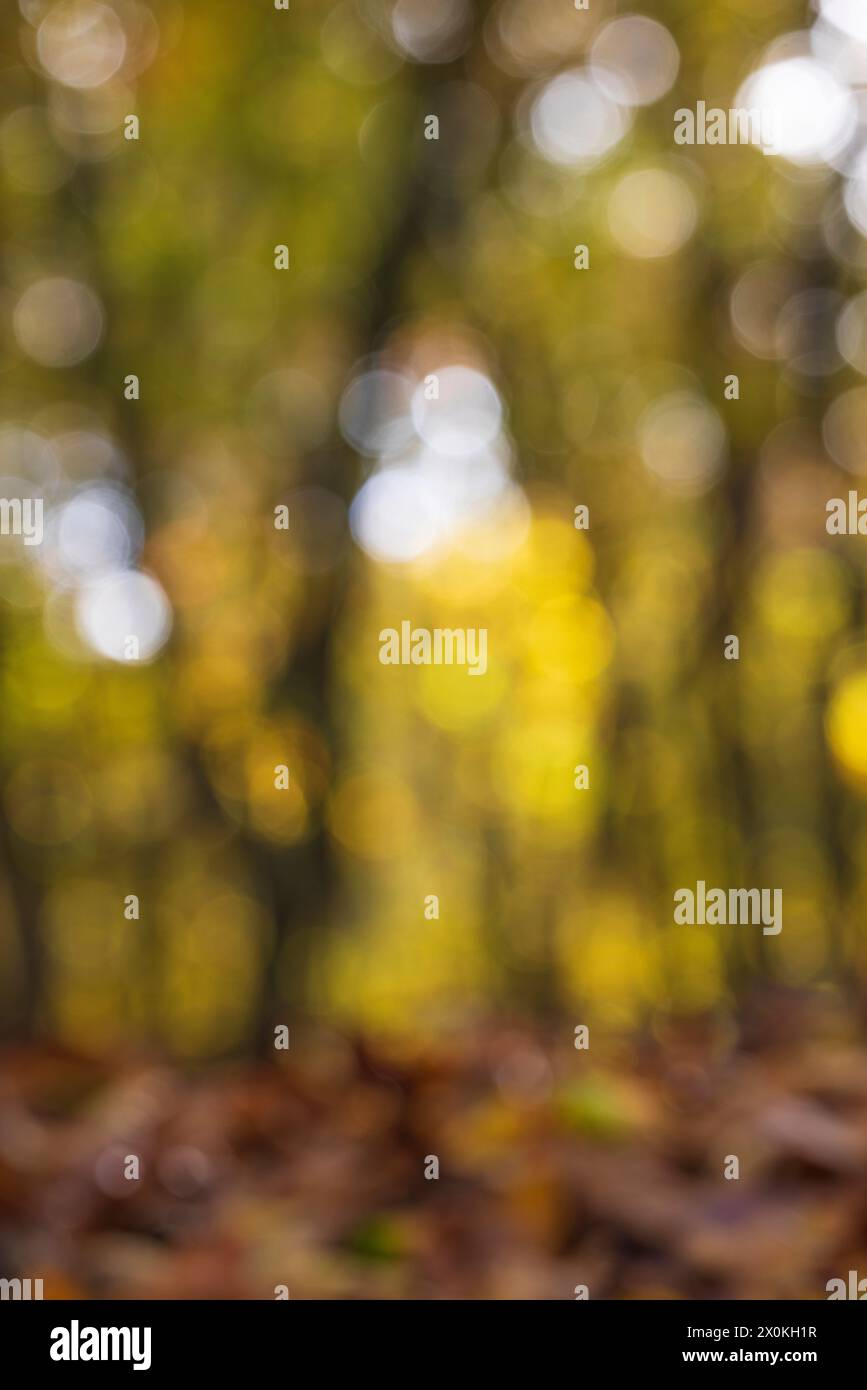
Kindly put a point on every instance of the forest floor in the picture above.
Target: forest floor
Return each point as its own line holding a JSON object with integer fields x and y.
{"x": 558, "y": 1168}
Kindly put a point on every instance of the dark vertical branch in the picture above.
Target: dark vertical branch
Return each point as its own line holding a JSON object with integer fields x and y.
{"x": 23, "y": 1016}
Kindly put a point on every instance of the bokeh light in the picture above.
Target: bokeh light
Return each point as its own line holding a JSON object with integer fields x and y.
{"x": 651, "y": 212}
{"x": 124, "y": 616}
{"x": 58, "y": 321}
{"x": 81, "y": 43}
{"x": 810, "y": 114}
{"x": 635, "y": 60}
{"x": 575, "y": 122}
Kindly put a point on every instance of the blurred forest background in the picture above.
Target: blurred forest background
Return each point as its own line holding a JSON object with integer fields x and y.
{"x": 166, "y": 389}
